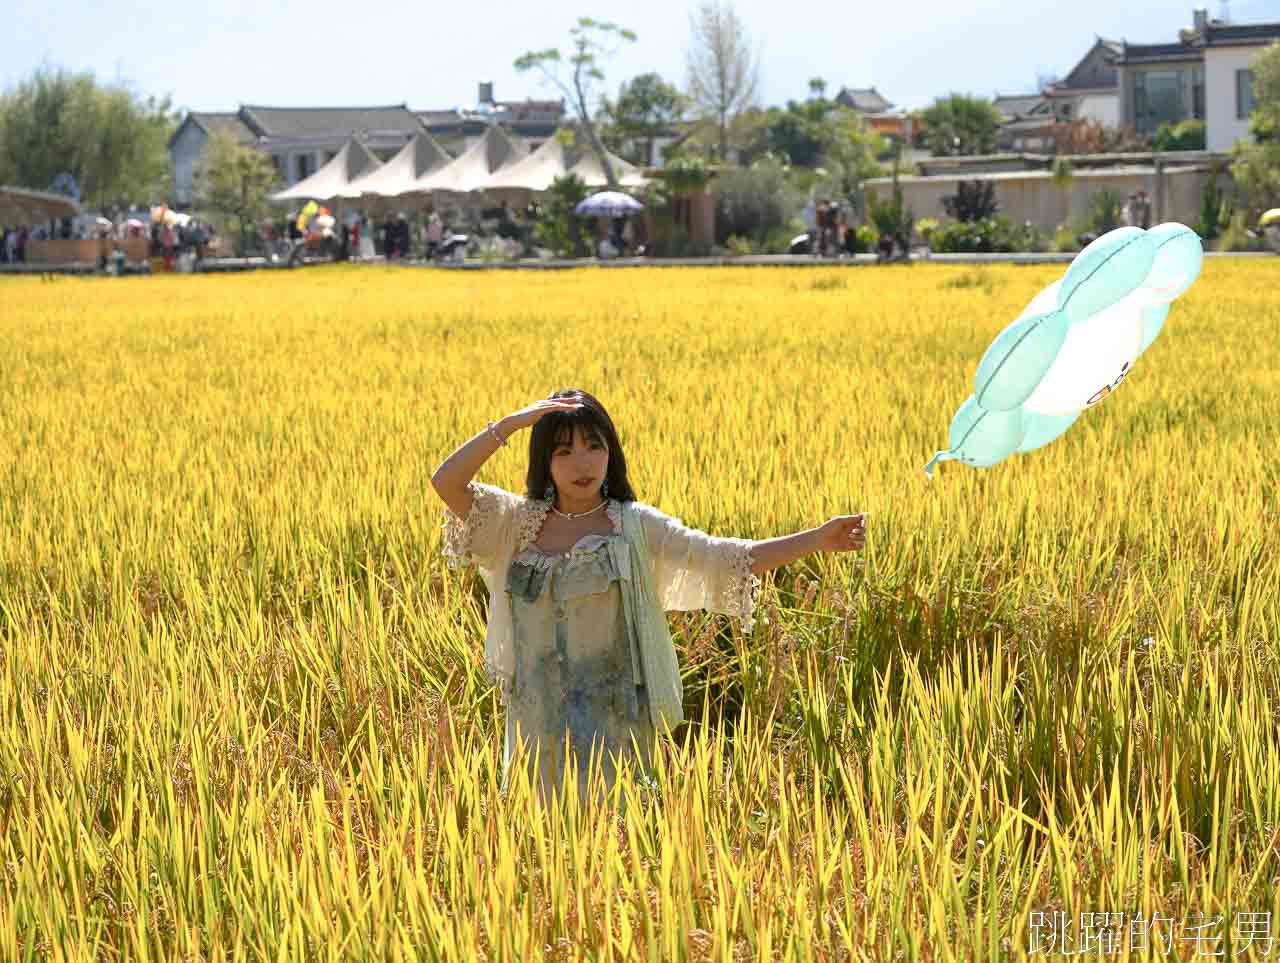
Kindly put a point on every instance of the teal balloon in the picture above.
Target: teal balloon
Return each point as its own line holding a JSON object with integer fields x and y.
{"x": 1018, "y": 359}
{"x": 980, "y": 438}
{"x": 1039, "y": 430}
{"x": 1153, "y": 317}
{"x": 1179, "y": 258}
{"x": 1105, "y": 271}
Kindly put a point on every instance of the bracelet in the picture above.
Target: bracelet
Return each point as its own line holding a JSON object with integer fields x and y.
{"x": 494, "y": 431}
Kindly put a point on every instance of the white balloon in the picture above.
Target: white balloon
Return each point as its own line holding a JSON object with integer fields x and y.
{"x": 1164, "y": 293}
{"x": 1096, "y": 357}
{"x": 1044, "y": 302}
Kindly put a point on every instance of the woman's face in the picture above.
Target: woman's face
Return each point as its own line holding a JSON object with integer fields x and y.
{"x": 587, "y": 457}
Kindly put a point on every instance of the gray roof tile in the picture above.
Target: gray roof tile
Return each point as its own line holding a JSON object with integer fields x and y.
{"x": 335, "y": 121}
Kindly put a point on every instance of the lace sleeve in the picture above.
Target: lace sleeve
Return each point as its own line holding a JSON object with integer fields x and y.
{"x": 481, "y": 536}
{"x": 694, "y": 570}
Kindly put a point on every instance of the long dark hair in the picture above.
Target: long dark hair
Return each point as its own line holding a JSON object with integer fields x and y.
{"x": 554, "y": 428}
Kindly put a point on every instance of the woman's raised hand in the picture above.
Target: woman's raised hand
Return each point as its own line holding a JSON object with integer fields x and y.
{"x": 529, "y": 415}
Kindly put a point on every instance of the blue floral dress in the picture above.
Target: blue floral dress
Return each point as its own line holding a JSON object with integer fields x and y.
{"x": 558, "y": 645}
{"x": 573, "y": 670}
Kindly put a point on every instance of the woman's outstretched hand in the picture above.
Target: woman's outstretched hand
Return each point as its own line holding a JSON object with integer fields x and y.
{"x": 844, "y": 533}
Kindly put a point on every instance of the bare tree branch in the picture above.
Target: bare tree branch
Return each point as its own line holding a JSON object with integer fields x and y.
{"x": 590, "y": 48}
{"x": 724, "y": 72}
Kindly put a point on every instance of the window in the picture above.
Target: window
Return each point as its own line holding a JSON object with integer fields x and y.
{"x": 1166, "y": 97}
{"x": 330, "y": 155}
{"x": 304, "y": 165}
{"x": 1244, "y": 94}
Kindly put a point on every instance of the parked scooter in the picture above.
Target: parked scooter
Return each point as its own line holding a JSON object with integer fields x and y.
{"x": 452, "y": 247}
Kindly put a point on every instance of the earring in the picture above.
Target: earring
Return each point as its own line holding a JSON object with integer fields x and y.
{"x": 549, "y": 494}
{"x": 604, "y": 488}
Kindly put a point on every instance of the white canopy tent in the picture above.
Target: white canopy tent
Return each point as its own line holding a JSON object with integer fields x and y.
{"x": 590, "y": 170}
{"x": 537, "y": 172}
{"x": 397, "y": 180}
{"x": 494, "y": 152}
{"x": 331, "y": 180}
{"x": 21, "y": 206}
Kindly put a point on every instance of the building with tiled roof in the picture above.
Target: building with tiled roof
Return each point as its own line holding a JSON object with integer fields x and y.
{"x": 461, "y": 128}
{"x": 865, "y": 100}
{"x": 1025, "y": 122}
{"x": 300, "y": 140}
{"x": 1206, "y": 75}
{"x": 1090, "y": 89}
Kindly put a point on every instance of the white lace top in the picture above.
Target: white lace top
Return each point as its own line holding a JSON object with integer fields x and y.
{"x": 691, "y": 569}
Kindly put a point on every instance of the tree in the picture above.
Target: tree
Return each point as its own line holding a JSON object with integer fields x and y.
{"x": 821, "y": 132}
{"x": 1255, "y": 167}
{"x": 558, "y": 226}
{"x": 646, "y": 106}
{"x": 591, "y": 45}
{"x": 234, "y": 181}
{"x": 1264, "y": 121}
{"x": 724, "y": 73}
{"x": 110, "y": 140}
{"x": 962, "y": 124}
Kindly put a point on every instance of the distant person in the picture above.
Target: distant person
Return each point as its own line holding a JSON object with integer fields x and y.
{"x": 434, "y": 234}
{"x": 1144, "y": 211}
{"x": 848, "y": 237}
{"x": 810, "y": 217}
{"x": 167, "y": 241}
{"x": 885, "y": 246}
{"x": 1129, "y": 213}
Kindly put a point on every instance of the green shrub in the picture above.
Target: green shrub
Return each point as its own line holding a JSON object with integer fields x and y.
{"x": 738, "y": 245}
{"x": 1210, "y": 207}
{"x": 973, "y": 201}
{"x": 1187, "y": 135}
{"x": 1064, "y": 240}
{"x": 1105, "y": 211}
{"x": 926, "y": 227}
{"x": 558, "y": 228}
{"x": 1236, "y": 236}
{"x": 989, "y": 235}
{"x": 778, "y": 240}
{"x": 892, "y": 218}
{"x": 751, "y": 202}
{"x": 1027, "y": 237}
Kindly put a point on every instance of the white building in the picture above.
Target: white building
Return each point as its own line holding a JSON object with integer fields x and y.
{"x": 1228, "y": 83}
{"x": 1204, "y": 76}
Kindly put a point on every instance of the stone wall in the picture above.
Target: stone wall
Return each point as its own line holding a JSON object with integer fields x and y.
{"x": 1175, "y": 194}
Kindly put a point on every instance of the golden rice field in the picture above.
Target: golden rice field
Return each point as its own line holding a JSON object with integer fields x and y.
{"x": 245, "y": 714}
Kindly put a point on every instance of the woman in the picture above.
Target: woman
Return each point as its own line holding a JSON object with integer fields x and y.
{"x": 579, "y": 573}
{"x": 435, "y": 231}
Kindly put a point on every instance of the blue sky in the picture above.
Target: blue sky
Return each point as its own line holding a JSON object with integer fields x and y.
{"x": 431, "y": 55}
